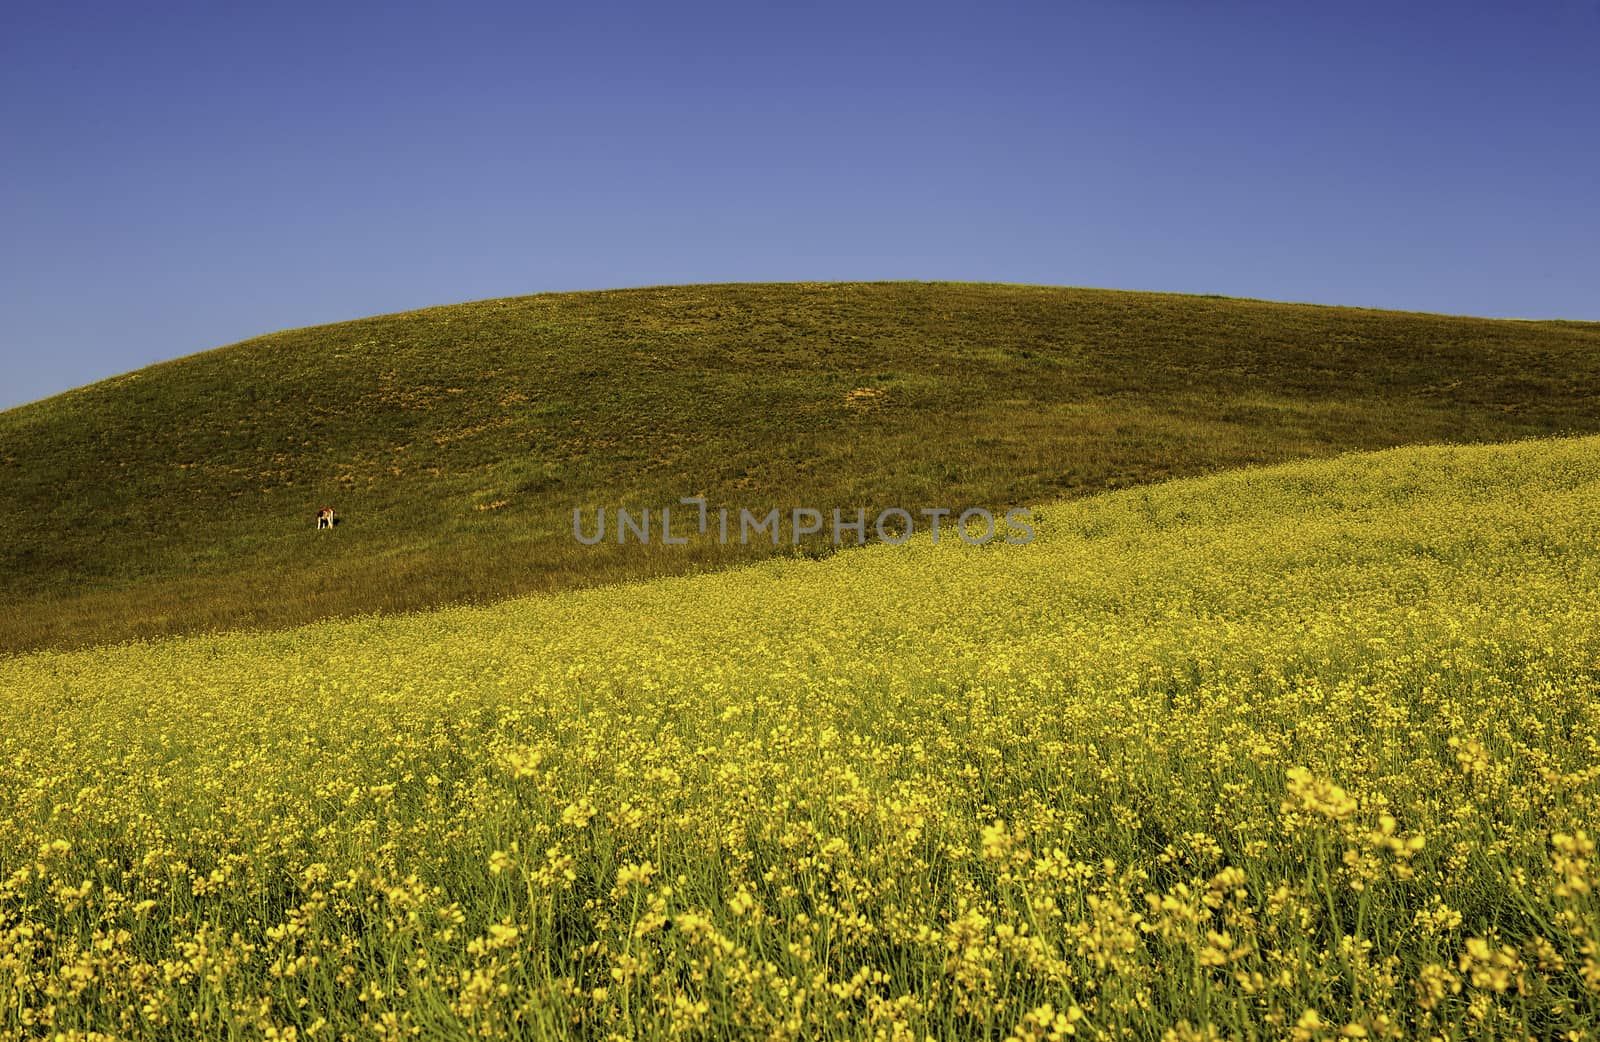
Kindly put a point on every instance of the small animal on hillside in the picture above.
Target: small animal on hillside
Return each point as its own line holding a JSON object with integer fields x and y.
{"x": 325, "y": 518}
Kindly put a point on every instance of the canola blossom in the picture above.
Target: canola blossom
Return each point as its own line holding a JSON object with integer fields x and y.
{"x": 1308, "y": 752}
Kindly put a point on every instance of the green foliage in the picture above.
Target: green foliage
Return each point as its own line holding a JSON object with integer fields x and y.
{"x": 455, "y": 441}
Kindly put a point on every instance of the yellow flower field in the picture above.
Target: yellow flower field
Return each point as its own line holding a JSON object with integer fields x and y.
{"x": 1310, "y": 752}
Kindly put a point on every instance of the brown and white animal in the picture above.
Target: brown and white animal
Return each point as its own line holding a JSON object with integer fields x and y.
{"x": 324, "y": 518}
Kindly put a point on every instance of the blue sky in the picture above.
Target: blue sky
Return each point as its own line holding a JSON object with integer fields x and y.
{"x": 184, "y": 176}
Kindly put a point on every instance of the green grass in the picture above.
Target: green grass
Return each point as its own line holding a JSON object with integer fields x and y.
{"x": 180, "y": 498}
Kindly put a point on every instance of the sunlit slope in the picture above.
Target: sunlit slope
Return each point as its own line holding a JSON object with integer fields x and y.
{"x": 456, "y": 441}
{"x": 1316, "y": 741}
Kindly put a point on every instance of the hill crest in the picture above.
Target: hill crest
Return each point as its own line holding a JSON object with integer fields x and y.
{"x": 456, "y": 440}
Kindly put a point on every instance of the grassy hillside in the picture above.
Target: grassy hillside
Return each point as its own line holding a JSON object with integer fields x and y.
{"x": 457, "y": 440}
{"x": 1298, "y": 752}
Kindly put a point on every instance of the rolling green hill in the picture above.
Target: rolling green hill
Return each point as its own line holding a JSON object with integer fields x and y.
{"x": 456, "y": 441}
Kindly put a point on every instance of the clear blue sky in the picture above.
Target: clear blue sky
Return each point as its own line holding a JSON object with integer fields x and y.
{"x": 174, "y": 177}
